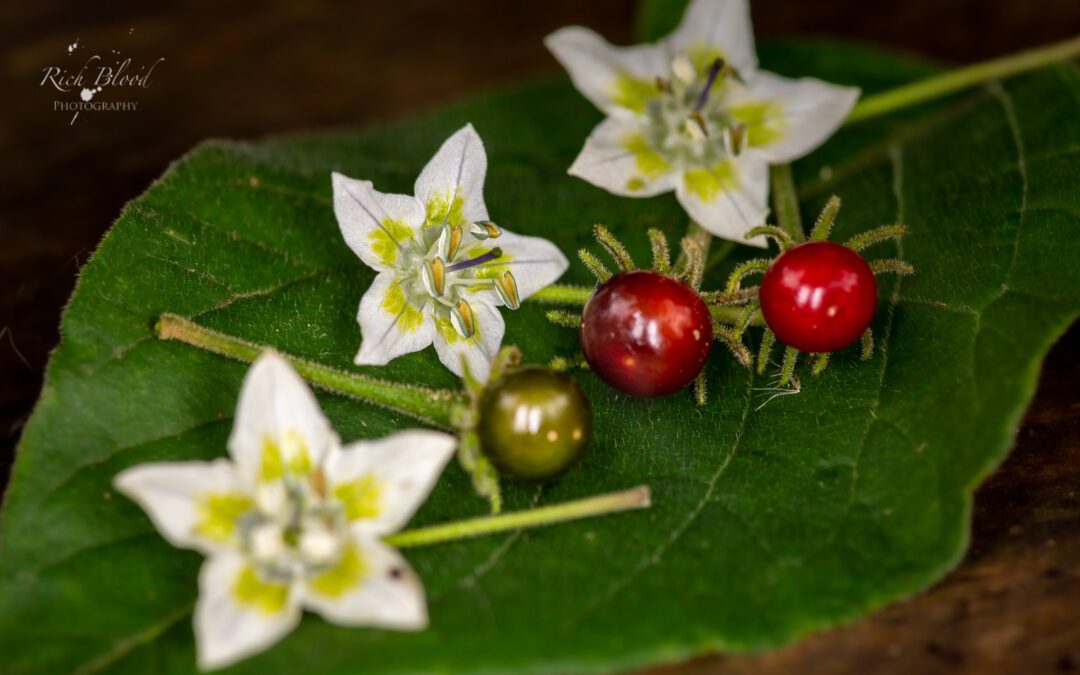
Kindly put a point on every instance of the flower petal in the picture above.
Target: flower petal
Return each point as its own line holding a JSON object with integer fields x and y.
{"x": 372, "y": 585}
{"x": 238, "y": 613}
{"x": 716, "y": 28}
{"x": 478, "y": 350}
{"x": 193, "y": 504}
{"x": 279, "y": 427}
{"x": 728, "y": 199}
{"x": 389, "y": 325}
{"x": 382, "y": 483}
{"x": 451, "y": 186}
{"x": 616, "y": 79}
{"x": 786, "y": 119}
{"x": 535, "y": 262}
{"x": 617, "y": 158}
{"x": 375, "y": 224}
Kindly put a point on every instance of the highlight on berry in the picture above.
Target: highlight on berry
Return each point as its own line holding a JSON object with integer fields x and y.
{"x": 815, "y": 296}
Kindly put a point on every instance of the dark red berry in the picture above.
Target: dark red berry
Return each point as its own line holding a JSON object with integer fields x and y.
{"x": 818, "y": 296}
{"x": 646, "y": 334}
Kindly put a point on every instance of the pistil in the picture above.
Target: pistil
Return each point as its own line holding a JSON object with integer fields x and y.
{"x": 703, "y": 97}
{"x": 493, "y": 254}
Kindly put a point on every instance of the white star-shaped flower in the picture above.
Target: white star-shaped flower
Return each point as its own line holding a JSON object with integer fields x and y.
{"x": 443, "y": 267}
{"x": 692, "y": 113}
{"x": 293, "y": 520}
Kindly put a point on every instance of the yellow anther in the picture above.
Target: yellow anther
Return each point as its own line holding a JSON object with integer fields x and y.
{"x": 434, "y": 276}
{"x": 506, "y": 286}
{"x": 454, "y": 242}
{"x": 463, "y": 319}
{"x": 485, "y": 229}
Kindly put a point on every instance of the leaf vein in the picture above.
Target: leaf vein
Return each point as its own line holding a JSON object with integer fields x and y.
{"x": 896, "y": 158}
{"x": 657, "y": 554}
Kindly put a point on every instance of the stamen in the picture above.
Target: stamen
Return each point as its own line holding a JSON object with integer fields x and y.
{"x": 662, "y": 85}
{"x": 506, "y": 287}
{"x": 695, "y": 126}
{"x": 450, "y": 241}
{"x": 717, "y": 66}
{"x": 479, "y": 284}
{"x": 485, "y": 229}
{"x": 433, "y": 274}
{"x": 493, "y": 254}
{"x": 683, "y": 68}
{"x": 735, "y": 138}
{"x": 463, "y": 319}
{"x": 318, "y": 546}
{"x": 266, "y": 543}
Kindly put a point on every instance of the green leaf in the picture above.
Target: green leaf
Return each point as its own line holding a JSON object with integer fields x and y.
{"x": 657, "y": 18}
{"x": 770, "y": 519}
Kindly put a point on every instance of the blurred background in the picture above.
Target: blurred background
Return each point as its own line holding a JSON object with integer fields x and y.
{"x": 248, "y": 69}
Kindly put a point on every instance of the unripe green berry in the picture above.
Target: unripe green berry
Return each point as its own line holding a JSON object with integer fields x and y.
{"x": 534, "y": 423}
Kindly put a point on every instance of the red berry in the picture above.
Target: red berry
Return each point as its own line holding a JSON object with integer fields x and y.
{"x": 646, "y": 334}
{"x": 818, "y": 296}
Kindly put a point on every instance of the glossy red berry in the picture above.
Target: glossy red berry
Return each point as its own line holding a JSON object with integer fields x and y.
{"x": 646, "y": 334}
{"x": 818, "y": 296}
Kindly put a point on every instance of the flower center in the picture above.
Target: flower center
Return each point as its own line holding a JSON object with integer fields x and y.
{"x": 295, "y": 531}
{"x": 449, "y": 265}
{"x": 688, "y": 121}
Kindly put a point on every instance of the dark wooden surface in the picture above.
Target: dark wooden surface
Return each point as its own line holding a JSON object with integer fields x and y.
{"x": 255, "y": 68}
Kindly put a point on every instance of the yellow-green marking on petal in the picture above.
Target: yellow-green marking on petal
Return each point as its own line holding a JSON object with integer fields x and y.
{"x": 251, "y": 591}
{"x": 708, "y": 183}
{"x": 343, "y": 577}
{"x": 361, "y": 498}
{"x": 765, "y": 121}
{"x": 395, "y": 304}
{"x": 632, "y": 92}
{"x": 702, "y": 56}
{"x": 446, "y": 330}
{"x": 438, "y": 207}
{"x": 271, "y": 467}
{"x": 649, "y": 162}
{"x": 289, "y": 454}
{"x": 294, "y": 450}
{"x": 385, "y": 239}
{"x": 218, "y": 513}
